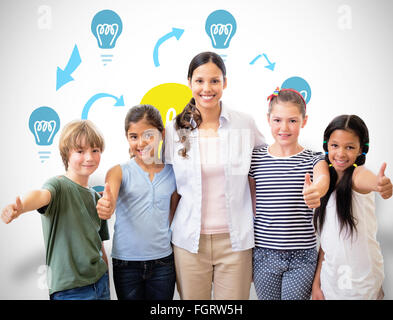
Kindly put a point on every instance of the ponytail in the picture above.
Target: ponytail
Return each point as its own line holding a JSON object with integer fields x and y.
{"x": 186, "y": 121}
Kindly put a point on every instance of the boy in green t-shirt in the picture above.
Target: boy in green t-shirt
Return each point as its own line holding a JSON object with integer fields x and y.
{"x": 73, "y": 232}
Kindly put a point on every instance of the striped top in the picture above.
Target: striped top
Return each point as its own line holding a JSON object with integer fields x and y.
{"x": 283, "y": 221}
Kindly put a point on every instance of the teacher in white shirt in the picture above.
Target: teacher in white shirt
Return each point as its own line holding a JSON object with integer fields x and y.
{"x": 210, "y": 148}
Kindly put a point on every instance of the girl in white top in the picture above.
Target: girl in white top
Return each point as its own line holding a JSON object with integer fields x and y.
{"x": 210, "y": 148}
{"x": 350, "y": 264}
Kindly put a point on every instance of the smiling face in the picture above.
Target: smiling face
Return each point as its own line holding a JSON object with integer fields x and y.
{"x": 343, "y": 148}
{"x": 143, "y": 139}
{"x": 286, "y": 120}
{"x": 82, "y": 162}
{"x": 207, "y": 84}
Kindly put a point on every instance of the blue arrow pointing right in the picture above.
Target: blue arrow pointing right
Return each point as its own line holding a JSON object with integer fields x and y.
{"x": 269, "y": 66}
{"x": 89, "y": 103}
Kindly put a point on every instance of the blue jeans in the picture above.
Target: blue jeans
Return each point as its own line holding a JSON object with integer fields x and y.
{"x": 284, "y": 274}
{"x": 144, "y": 280}
{"x": 95, "y": 291}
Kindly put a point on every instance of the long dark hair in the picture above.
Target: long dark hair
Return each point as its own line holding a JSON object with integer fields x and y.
{"x": 184, "y": 120}
{"x": 343, "y": 188}
{"x": 144, "y": 111}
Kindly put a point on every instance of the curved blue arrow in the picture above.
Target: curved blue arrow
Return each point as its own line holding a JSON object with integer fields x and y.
{"x": 270, "y": 66}
{"x": 86, "y": 108}
{"x": 255, "y": 59}
{"x": 174, "y": 33}
{"x": 64, "y": 76}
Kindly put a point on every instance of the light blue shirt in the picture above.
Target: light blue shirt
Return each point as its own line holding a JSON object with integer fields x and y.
{"x": 142, "y": 211}
{"x": 238, "y": 136}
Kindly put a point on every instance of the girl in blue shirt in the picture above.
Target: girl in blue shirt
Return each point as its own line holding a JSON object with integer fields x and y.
{"x": 141, "y": 190}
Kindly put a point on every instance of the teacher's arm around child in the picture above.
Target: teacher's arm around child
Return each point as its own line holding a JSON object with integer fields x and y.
{"x": 143, "y": 192}
{"x": 350, "y": 264}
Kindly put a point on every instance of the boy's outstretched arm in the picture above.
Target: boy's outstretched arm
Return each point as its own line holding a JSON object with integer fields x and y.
{"x": 32, "y": 201}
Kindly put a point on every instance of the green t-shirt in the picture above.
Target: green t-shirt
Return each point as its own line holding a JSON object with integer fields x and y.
{"x": 73, "y": 235}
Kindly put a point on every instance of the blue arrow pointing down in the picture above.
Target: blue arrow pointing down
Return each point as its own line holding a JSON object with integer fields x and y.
{"x": 64, "y": 76}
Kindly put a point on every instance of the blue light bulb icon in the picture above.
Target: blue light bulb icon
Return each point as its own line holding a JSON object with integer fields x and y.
{"x": 220, "y": 27}
{"x": 300, "y": 85}
{"x": 106, "y": 27}
{"x": 44, "y": 123}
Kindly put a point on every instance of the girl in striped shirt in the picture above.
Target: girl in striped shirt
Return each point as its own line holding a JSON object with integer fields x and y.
{"x": 285, "y": 255}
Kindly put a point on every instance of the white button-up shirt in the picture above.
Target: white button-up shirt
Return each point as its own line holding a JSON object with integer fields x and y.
{"x": 238, "y": 136}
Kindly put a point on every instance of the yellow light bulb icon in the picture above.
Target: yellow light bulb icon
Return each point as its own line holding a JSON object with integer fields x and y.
{"x": 170, "y": 99}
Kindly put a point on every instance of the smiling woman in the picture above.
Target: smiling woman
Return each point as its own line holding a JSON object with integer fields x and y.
{"x": 207, "y": 80}
{"x": 210, "y": 147}
{"x": 207, "y": 85}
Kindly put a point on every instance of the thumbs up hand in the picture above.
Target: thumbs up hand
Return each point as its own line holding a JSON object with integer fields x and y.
{"x": 12, "y": 211}
{"x": 307, "y": 180}
{"x": 311, "y": 194}
{"x": 106, "y": 205}
{"x": 384, "y": 185}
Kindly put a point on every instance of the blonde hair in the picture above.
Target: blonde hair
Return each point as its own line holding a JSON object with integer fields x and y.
{"x": 75, "y": 133}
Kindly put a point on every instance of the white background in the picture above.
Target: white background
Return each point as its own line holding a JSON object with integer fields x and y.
{"x": 343, "y": 49}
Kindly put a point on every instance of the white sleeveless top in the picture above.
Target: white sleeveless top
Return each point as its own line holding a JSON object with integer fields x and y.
{"x": 353, "y": 267}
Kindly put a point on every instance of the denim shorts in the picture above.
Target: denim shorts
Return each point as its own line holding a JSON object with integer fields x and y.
{"x": 284, "y": 274}
{"x": 145, "y": 280}
{"x": 95, "y": 291}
